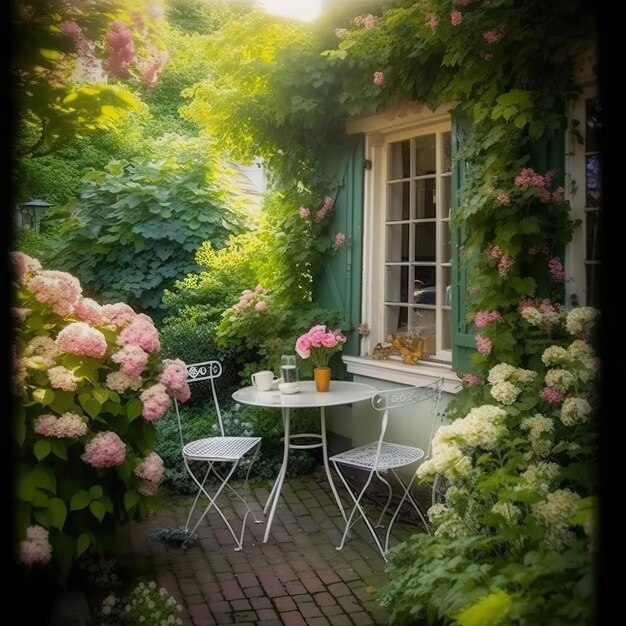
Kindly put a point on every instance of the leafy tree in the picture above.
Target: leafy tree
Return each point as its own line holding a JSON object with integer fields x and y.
{"x": 135, "y": 226}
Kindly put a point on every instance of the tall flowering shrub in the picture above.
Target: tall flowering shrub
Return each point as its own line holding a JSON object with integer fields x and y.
{"x": 88, "y": 386}
{"x": 514, "y": 536}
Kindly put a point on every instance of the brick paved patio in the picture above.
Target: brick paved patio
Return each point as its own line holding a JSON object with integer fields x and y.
{"x": 296, "y": 578}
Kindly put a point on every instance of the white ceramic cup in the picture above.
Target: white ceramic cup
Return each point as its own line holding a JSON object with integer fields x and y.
{"x": 263, "y": 380}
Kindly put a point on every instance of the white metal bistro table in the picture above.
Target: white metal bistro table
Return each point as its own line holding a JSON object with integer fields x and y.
{"x": 341, "y": 392}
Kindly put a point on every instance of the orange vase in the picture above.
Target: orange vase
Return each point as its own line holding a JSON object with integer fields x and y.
{"x": 321, "y": 376}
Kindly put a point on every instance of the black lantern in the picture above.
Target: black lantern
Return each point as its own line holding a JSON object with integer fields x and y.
{"x": 29, "y": 214}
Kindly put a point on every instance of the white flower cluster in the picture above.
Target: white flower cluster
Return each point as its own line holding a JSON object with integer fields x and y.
{"x": 575, "y": 410}
{"x": 505, "y": 392}
{"x": 539, "y": 477}
{"x": 555, "y": 355}
{"x": 447, "y": 460}
{"x": 500, "y": 372}
{"x": 559, "y": 379}
{"x": 543, "y": 318}
{"x": 538, "y": 425}
{"x": 557, "y": 508}
{"x": 581, "y": 320}
{"x": 451, "y": 526}
{"x": 510, "y": 512}
{"x": 436, "y": 511}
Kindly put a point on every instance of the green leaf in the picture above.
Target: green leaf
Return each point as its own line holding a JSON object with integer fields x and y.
{"x": 95, "y": 492}
{"x": 134, "y": 408}
{"x": 42, "y": 449}
{"x": 92, "y": 406}
{"x": 101, "y": 395}
{"x": 59, "y": 448}
{"x": 491, "y": 610}
{"x": 79, "y": 500}
{"x": 57, "y": 512}
{"x": 98, "y": 510}
{"x": 131, "y": 498}
{"x": 43, "y": 396}
{"x": 82, "y": 543}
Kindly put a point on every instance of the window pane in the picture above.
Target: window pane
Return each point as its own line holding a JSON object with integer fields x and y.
{"x": 593, "y": 285}
{"x": 446, "y": 330}
{"x": 398, "y": 242}
{"x": 592, "y": 222}
{"x": 399, "y": 160}
{"x": 593, "y": 125}
{"x": 446, "y": 195}
{"x": 446, "y": 235}
{"x": 395, "y": 319}
{"x": 425, "y": 289}
{"x": 446, "y": 152}
{"x": 423, "y": 323}
{"x": 425, "y": 155}
{"x": 425, "y": 241}
{"x": 447, "y": 286}
{"x": 397, "y": 283}
{"x": 593, "y": 181}
{"x": 425, "y": 199}
{"x": 398, "y": 206}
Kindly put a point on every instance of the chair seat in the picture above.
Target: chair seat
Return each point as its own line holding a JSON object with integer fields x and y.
{"x": 220, "y": 448}
{"x": 392, "y": 455}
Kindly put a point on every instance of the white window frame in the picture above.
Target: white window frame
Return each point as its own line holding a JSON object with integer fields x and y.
{"x": 381, "y": 130}
{"x": 575, "y": 252}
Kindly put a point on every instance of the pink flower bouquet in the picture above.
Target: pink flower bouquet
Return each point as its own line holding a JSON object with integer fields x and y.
{"x": 319, "y": 344}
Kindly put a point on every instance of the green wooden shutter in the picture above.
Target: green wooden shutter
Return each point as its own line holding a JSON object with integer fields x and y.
{"x": 338, "y": 285}
{"x": 463, "y": 343}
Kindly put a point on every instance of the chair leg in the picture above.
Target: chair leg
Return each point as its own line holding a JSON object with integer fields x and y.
{"x": 195, "y": 502}
{"x": 357, "y": 506}
{"x": 390, "y": 491}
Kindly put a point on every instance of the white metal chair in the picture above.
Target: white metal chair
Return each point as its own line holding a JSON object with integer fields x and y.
{"x": 220, "y": 450}
{"x": 383, "y": 456}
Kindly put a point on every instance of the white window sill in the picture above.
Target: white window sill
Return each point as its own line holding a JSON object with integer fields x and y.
{"x": 422, "y": 373}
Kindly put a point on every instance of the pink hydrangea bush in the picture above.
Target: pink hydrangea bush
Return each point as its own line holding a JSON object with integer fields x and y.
{"x": 88, "y": 386}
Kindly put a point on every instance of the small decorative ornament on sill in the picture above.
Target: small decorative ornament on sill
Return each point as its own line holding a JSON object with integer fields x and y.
{"x": 408, "y": 346}
{"x": 319, "y": 344}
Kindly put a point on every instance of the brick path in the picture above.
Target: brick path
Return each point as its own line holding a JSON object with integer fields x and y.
{"x": 297, "y": 578}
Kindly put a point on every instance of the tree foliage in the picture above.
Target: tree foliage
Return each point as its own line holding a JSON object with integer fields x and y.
{"x": 136, "y": 225}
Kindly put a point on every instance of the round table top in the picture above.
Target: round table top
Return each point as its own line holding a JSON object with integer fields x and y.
{"x": 340, "y": 392}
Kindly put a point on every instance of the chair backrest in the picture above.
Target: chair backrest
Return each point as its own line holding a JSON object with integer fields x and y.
{"x": 391, "y": 399}
{"x": 196, "y": 372}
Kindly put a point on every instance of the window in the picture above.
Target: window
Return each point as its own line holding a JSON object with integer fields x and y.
{"x": 584, "y": 264}
{"x": 417, "y": 265}
{"x": 407, "y": 250}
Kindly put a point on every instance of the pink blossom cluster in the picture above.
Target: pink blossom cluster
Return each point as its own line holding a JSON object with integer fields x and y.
{"x": 483, "y": 345}
{"x": 106, "y": 449}
{"x": 141, "y": 332}
{"x": 121, "y": 382}
{"x": 319, "y": 343}
{"x": 379, "y": 78}
{"x": 327, "y": 206}
{"x": 341, "y": 33}
{"x": 131, "y": 359}
{"x": 432, "y": 21}
{"x": 61, "y": 378}
{"x": 23, "y": 266}
{"x": 156, "y": 401}
{"x": 557, "y": 271}
{"x": 551, "y": 395}
{"x": 150, "y": 470}
{"x": 363, "y": 329}
{"x": 121, "y": 49}
{"x": 58, "y": 289}
{"x": 252, "y": 300}
{"x": 340, "y": 240}
{"x": 44, "y": 348}
{"x": 529, "y": 178}
{"x": 88, "y": 310}
{"x": 456, "y": 17}
{"x": 304, "y": 213}
{"x": 153, "y": 68}
{"x": 119, "y": 314}
{"x": 505, "y": 264}
{"x": 72, "y": 30}
{"x": 366, "y": 20}
{"x": 174, "y": 377}
{"x": 36, "y": 548}
{"x": 497, "y": 34}
{"x": 503, "y": 199}
{"x": 482, "y": 318}
{"x": 68, "y": 426}
{"x": 544, "y": 305}
{"x": 538, "y": 248}
{"x": 470, "y": 380}
{"x": 81, "y": 339}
